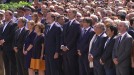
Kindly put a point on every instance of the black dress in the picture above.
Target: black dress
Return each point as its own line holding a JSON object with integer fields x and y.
{"x": 29, "y": 41}
{"x": 37, "y": 46}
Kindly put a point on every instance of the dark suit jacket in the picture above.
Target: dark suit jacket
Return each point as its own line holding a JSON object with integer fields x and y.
{"x": 107, "y": 54}
{"x": 83, "y": 43}
{"x": 123, "y": 51}
{"x": 131, "y": 32}
{"x": 19, "y": 40}
{"x": 71, "y": 35}
{"x": 52, "y": 40}
{"x": 8, "y": 34}
{"x": 98, "y": 47}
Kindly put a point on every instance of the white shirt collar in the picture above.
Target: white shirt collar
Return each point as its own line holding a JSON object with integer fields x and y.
{"x": 87, "y": 28}
{"x": 21, "y": 29}
{"x": 51, "y": 25}
{"x": 100, "y": 34}
{"x": 122, "y": 35}
{"x": 71, "y": 21}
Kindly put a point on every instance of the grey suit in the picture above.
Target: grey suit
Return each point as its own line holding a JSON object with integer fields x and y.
{"x": 122, "y": 53}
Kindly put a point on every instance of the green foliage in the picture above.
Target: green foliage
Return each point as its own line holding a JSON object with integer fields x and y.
{"x": 14, "y": 5}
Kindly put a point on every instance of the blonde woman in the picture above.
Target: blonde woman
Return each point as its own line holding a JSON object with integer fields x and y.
{"x": 28, "y": 46}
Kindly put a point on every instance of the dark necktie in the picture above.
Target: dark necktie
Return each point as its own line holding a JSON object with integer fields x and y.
{"x": 94, "y": 41}
{"x": 96, "y": 37}
{"x": 119, "y": 41}
{"x": 84, "y": 32}
{"x": 48, "y": 29}
{"x": 18, "y": 32}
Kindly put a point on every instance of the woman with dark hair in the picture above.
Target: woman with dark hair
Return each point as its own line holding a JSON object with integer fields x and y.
{"x": 37, "y": 62}
{"x": 35, "y": 18}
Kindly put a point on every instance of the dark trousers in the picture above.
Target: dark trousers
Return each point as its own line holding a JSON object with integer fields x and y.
{"x": 110, "y": 71}
{"x": 52, "y": 65}
{"x": 98, "y": 68}
{"x": 9, "y": 61}
{"x": 1, "y": 64}
{"x": 20, "y": 63}
{"x": 132, "y": 71}
{"x": 123, "y": 70}
{"x": 70, "y": 64}
{"x": 84, "y": 65}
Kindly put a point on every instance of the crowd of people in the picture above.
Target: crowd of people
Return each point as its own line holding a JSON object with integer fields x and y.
{"x": 86, "y": 37}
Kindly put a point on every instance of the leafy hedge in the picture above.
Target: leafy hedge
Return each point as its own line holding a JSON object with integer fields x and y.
{"x": 14, "y": 5}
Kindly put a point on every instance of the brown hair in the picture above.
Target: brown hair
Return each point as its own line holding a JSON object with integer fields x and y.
{"x": 40, "y": 26}
{"x": 31, "y": 22}
{"x": 36, "y": 15}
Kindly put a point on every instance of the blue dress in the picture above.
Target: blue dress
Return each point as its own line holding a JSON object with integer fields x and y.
{"x": 37, "y": 46}
{"x": 29, "y": 41}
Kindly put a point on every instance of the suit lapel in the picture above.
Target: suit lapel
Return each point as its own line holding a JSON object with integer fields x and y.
{"x": 70, "y": 26}
{"x": 7, "y": 27}
{"x": 123, "y": 39}
{"x": 87, "y": 32}
{"x": 109, "y": 41}
{"x": 21, "y": 32}
{"x": 51, "y": 29}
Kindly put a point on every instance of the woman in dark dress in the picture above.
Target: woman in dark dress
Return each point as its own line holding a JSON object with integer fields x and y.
{"x": 38, "y": 50}
{"x": 28, "y": 46}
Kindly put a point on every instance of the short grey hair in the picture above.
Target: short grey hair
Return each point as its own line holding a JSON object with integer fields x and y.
{"x": 102, "y": 26}
{"x": 126, "y": 24}
{"x": 94, "y": 17}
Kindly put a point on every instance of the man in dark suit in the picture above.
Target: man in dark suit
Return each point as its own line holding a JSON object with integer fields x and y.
{"x": 52, "y": 45}
{"x": 6, "y": 39}
{"x": 83, "y": 46}
{"x": 131, "y": 28}
{"x": 19, "y": 39}
{"x": 97, "y": 47}
{"x": 71, "y": 34}
{"x": 106, "y": 58}
{"x": 122, "y": 50}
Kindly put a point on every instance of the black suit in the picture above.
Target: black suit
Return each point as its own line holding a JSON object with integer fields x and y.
{"x": 19, "y": 42}
{"x": 107, "y": 57}
{"x": 52, "y": 45}
{"x": 131, "y": 32}
{"x": 83, "y": 46}
{"x": 97, "y": 50}
{"x": 8, "y": 53}
{"x": 71, "y": 34}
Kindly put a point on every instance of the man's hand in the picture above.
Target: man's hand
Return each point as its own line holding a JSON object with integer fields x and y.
{"x": 24, "y": 52}
{"x": 115, "y": 60}
{"x": 101, "y": 62}
{"x": 64, "y": 48}
{"x": 15, "y": 49}
{"x": 42, "y": 55}
{"x": 2, "y": 42}
{"x": 90, "y": 58}
{"x": 79, "y": 53}
{"x": 56, "y": 55}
